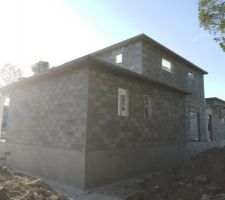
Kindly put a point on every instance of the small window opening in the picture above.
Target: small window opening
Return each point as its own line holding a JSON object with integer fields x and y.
{"x": 119, "y": 58}
{"x": 7, "y": 100}
{"x": 210, "y": 132}
{"x": 222, "y": 113}
{"x": 4, "y": 107}
{"x": 191, "y": 76}
{"x": 147, "y": 107}
{"x": 123, "y": 102}
{"x": 194, "y": 126}
{"x": 166, "y": 65}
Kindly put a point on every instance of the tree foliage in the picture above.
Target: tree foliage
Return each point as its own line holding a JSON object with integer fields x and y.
{"x": 9, "y": 74}
{"x": 212, "y": 19}
{"x": 40, "y": 67}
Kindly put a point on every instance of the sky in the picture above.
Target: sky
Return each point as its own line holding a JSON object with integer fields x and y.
{"x": 58, "y": 31}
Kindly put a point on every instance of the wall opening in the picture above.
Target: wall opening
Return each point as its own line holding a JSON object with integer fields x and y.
{"x": 123, "y": 102}
{"x": 4, "y": 110}
{"x": 119, "y": 58}
{"x": 166, "y": 65}
{"x": 194, "y": 125}
{"x": 191, "y": 76}
{"x": 210, "y": 132}
{"x": 147, "y": 107}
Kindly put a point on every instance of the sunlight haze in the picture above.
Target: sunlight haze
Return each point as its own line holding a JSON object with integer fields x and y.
{"x": 58, "y": 31}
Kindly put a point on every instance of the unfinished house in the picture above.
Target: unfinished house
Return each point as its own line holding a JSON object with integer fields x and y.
{"x": 145, "y": 56}
{"x": 128, "y": 109}
{"x": 215, "y": 113}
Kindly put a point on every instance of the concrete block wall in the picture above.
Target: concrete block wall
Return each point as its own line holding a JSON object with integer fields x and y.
{"x": 46, "y": 135}
{"x": 72, "y": 118}
{"x": 112, "y": 147}
{"x": 131, "y": 56}
{"x": 51, "y": 112}
{"x": 128, "y": 145}
{"x": 201, "y": 110}
{"x": 148, "y": 60}
{"x": 218, "y": 123}
{"x": 145, "y": 58}
{"x": 107, "y": 130}
{"x": 178, "y": 78}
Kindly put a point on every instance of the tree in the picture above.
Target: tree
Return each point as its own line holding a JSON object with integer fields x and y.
{"x": 212, "y": 18}
{"x": 9, "y": 74}
{"x": 40, "y": 67}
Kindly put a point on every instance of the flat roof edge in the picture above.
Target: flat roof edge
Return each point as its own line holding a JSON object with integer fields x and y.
{"x": 87, "y": 60}
{"x": 126, "y": 72}
{"x": 152, "y": 41}
{"x": 215, "y": 99}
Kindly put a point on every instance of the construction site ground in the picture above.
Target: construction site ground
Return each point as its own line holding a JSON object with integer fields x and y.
{"x": 201, "y": 178}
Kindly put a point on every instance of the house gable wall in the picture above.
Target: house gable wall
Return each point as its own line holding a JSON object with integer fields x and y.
{"x": 216, "y": 110}
{"x": 113, "y": 139}
{"x": 46, "y": 134}
{"x": 182, "y": 76}
{"x": 45, "y": 113}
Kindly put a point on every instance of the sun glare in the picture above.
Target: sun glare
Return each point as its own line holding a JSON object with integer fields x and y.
{"x": 44, "y": 30}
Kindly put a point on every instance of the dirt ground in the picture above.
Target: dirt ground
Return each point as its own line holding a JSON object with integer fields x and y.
{"x": 14, "y": 186}
{"x": 202, "y": 178}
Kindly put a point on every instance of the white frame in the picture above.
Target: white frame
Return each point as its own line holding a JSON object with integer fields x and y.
{"x": 164, "y": 63}
{"x": 123, "y": 102}
{"x": 119, "y": 58}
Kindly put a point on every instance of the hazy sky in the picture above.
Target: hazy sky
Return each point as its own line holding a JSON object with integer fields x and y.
{"x": 61, "y": 30}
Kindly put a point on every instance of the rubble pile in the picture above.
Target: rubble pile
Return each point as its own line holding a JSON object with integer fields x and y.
{"x": 14, "y": 186}
{"x": 202, "y": 178}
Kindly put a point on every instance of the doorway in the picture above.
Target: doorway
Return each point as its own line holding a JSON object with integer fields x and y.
{"x": 194, "y": 126}
{"x": 210, "y": 132}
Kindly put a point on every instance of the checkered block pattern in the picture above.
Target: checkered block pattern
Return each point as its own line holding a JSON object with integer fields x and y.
{"x": 107, "y": 130}
{"x": 131, "y": 56}
{"x": 51, "y": 113}
{"x": 146, "y": 58}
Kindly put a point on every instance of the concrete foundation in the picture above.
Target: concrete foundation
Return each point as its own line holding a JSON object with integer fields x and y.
{"x": 102, "y": 167}
{"x": 119, "y": 164}
{"x": 66, "y": 166}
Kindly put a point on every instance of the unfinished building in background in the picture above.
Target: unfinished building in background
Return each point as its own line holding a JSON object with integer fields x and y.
{"x": 130, "y": 108}
{"x": 215, "y": 113}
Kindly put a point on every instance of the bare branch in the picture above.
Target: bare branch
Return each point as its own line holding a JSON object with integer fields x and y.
{"x": 9, "y": 74}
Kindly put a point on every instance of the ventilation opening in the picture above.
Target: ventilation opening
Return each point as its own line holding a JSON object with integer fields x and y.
{"x": 166, "y": 65}
{"x": 119, "y": 58}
